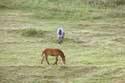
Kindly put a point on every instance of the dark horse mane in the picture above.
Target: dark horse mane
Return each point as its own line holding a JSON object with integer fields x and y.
{"x": 62, "y": 55}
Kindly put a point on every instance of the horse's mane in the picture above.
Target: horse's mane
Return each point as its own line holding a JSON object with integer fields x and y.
{"x": 62, "y": 55}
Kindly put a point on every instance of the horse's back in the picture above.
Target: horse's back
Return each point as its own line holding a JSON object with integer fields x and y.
{"x": 52, "y": 51}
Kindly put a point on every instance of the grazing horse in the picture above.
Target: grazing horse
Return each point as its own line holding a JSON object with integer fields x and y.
{"x": 60, "y": 34}
{"x": 52, "y": 52}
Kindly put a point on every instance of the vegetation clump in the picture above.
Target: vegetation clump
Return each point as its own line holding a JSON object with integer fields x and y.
{"x": 31, "y": 32}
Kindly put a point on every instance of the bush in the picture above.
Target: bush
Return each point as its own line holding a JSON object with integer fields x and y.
{"x": 31, "y": 32}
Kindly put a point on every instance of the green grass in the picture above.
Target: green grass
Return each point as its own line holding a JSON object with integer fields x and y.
{"x": 69, "y": 10}
{"x": 94, "y": 43}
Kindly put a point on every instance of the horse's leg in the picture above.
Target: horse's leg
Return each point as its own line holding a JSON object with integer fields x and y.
{"x": 47, "y": 59}
{"x": 56, "y": 60}
{"x": 59, "y": 40}
{"x": 42, "y": 60}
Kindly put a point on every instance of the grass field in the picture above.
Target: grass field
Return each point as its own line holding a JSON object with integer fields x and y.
{"x": 94, "y": 43}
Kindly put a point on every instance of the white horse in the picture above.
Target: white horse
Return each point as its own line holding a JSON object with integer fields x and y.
{"x": 60, "y": 34}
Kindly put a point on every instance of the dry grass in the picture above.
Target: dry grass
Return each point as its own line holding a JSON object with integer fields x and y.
{"x": 93, "y": 45}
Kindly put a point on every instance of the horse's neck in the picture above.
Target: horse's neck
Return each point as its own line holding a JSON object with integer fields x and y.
{"x": 63, "y": 58}
{"x": 62, "y": 54}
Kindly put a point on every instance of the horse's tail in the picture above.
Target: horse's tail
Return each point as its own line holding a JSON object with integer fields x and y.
{"x": 63, "y": 57}
{"x": 42, "y": 56}
{"x": 43, "y": 53}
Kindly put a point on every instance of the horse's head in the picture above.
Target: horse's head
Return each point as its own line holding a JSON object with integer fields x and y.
{"x": 63, "y": 59}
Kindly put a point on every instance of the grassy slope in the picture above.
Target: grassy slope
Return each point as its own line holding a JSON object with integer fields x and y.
{"x": 94, "y": 43}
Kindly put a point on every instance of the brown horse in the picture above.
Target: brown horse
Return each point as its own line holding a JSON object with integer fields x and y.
{"x": 53, "y": 52}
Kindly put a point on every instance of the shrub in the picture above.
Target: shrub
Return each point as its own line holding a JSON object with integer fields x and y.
{"x": 31, "y": 32}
